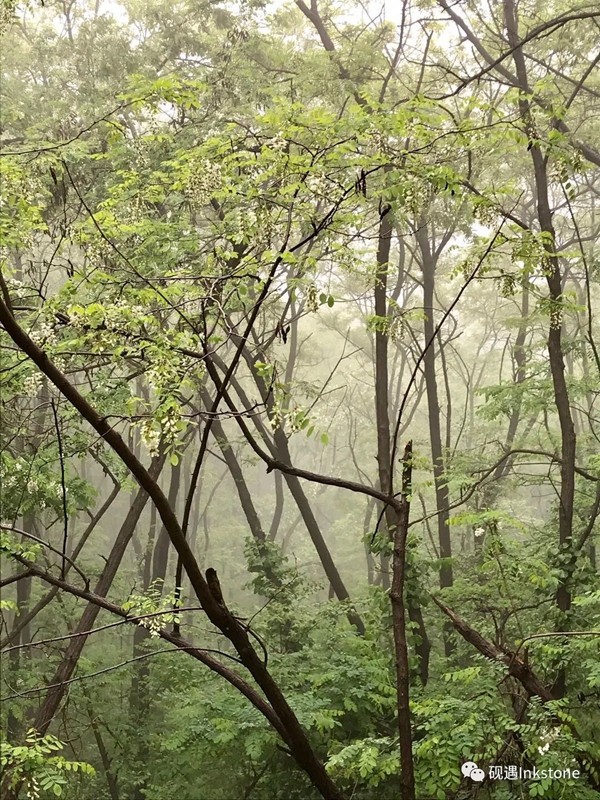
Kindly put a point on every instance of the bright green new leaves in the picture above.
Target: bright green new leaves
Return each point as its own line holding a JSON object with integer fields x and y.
{"x": 34, "y": 764}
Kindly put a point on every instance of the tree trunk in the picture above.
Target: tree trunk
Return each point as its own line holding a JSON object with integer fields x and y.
{"x": 407, "y": 777}
{"x": 382, "y": 377}
{"x": 140, "y": 699}
{"x": 279, "y": 448}
{"x": 384, "y": 462}
{"x": 244, "y": 495}
{"x": 435, "y": 430}
{"x": 554, "y": 280}
{"x": 446, "y": 578}
{"x": 67, "y": 666}
{"x": 160, "y": 559}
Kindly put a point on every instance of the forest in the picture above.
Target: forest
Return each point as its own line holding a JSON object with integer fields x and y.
{"x": 300, "y": 400}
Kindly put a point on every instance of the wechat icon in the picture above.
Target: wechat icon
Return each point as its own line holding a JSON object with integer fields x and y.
{"x": 470, "y": 770}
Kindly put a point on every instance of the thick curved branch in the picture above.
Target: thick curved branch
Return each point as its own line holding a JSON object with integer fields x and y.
{"x": 200, "y": 655}
{"x": 218, "y": 613}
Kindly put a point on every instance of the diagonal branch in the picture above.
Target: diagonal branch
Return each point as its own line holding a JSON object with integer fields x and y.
{"x": 198, "y": 653}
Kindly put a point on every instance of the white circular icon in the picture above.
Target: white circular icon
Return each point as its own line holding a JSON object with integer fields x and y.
{"x": 467, "y": 768}
{"x": 477, "y": 774}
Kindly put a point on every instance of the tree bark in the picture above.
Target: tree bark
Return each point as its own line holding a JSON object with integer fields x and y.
{"x": 407, "y": 776}
{"x": 554, "y": 279}
{"x": 382, "y": 417}
{"x": 435, "y": 431}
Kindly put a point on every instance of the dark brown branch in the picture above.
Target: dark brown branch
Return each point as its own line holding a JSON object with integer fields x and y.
{"x": 213, "y": 664}
{"x": 515, "y": 665}
{"x": 14, "y": 578}
{"x": 61, "y": 461}
{"x": 58, "y": 552}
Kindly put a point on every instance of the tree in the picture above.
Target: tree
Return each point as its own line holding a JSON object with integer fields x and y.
{"x": 245, "y": 261}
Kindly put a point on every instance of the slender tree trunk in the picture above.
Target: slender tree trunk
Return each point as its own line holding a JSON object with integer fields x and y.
{"x": 554, "y": 280}
{"x": 314, "y": 530}
{"x": 21, "y": 628}
{"x": 244, "y": 495}
{"x": 160, "y": 559}
{"x": 442, "y": 499}
{"x": 407, "y": 776}
{"x": 435, "y": 431}
{"x": 278, "y": 446}
{"x": 492, "y": 489}
{"x": 384, "y": 463}
{"x": 67, "y": 666}
{"x": 140, "y": 698}
{"x": 369, "y": 556}
{"x": 382, "y": 376}
{"x": 111, "y": 778}
{"x": 278, "y": 510}
{"x": 21, "y": 636}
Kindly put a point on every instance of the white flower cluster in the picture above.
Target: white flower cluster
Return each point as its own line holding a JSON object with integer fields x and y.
{"x": 318, "y": 185}
{"x": 17, "y": 288}
{"x": 150, "y": 437}
{"x": 115, "y": 316}
{"x": 276, "y": 416}
{"x": 378, "y": 140}
{"x": 8, "y": 478}
{"x": 547, "y": 738}
{"x": 153, "y": 624}
{"x": 105, "y": 341}
{"x": 248, "y": 225}
{"x": 311, "y": 298}
{"x": 98, "y": 253}
{"x": 255, "y": 174}
{"x": 556, "y": 317}
{"x": 264, "y": 226}
{"x": 278, "y": 142}
{"x": 169, "y": 426}
{"x": 204, "y": 180}
{"x": 33, "y": 789}
{"x": 485, "y": 214}
{"x": 296, "y": 418}
{"x": 397, "y": 328}
{"x": 416, "y": 196}
{"x": 141, "y": 152}
{"x": 44, "y": 334}
{"x": 132, "y": 211}
{"x": 31, "y": 384}
{"x": 76, "y": 316}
